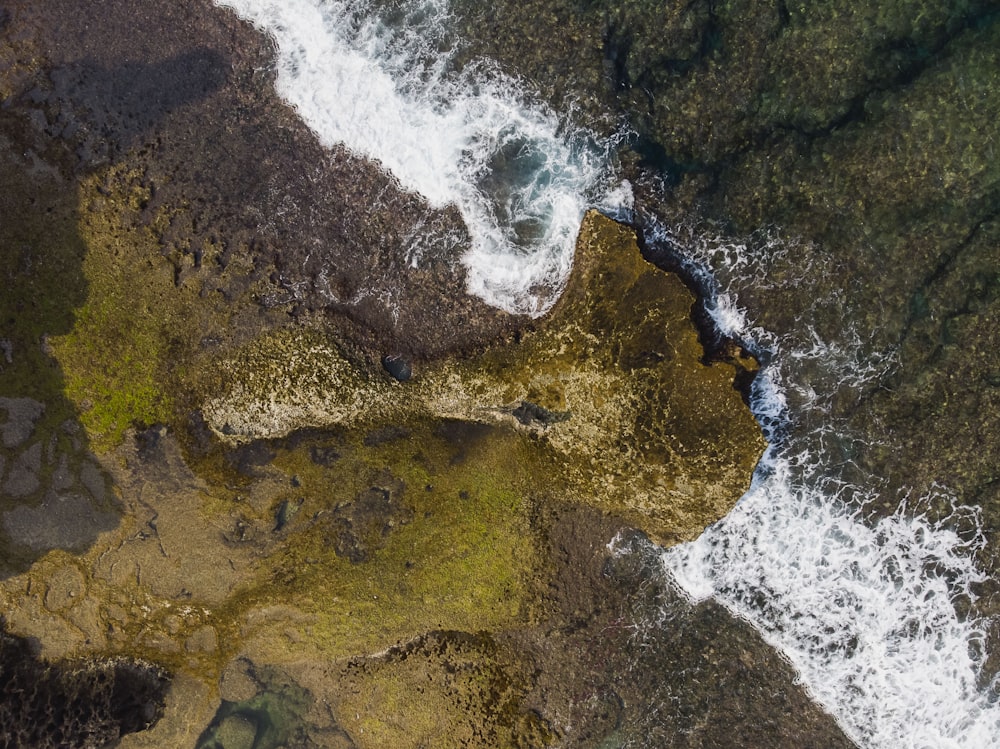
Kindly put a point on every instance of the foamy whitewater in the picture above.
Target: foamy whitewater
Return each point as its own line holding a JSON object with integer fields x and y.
{"x": 866, "y": 615}
{"x": 390, "y": 92}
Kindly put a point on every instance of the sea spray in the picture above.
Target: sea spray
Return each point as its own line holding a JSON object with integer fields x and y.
{"x": 388, "y": 88}
{"x": 866, "y": 612}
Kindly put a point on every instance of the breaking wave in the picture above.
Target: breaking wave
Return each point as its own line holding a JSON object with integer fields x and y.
{"x": 388, "y": 87}
{"x": 866, "y": 612}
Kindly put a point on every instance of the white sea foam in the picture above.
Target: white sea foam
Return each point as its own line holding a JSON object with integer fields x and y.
{"x": 387, "y": 90}
{"x": 866, "y": 613}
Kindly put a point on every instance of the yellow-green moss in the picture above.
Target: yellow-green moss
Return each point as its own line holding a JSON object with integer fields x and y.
{"x": 113, "y": 359}
{"x": 612, "y": 384}
{"x": 132, "y": 353}
{"x": 114, "y": 355}
{"x": 463, "y": 559}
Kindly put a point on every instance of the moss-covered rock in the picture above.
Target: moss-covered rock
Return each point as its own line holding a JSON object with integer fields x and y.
{"x": 414, "y": 515}
{"x": 613, "y": 385}
{"x": 460, "y": 679}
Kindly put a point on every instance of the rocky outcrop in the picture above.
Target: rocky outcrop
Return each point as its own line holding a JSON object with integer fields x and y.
{"x": 612, "y": 383}
{"x": 431, "y": 538}
{"x": 48, "y": 706}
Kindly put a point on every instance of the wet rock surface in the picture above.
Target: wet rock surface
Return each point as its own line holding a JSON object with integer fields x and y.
{"x": 683, "y": 675}
{"x": 172, "y": 215}
{"x": 611, "y": 663}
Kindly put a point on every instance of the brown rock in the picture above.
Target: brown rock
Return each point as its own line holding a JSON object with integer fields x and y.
{"x": 202, "y": 640}
{"x": 66, "y": 587}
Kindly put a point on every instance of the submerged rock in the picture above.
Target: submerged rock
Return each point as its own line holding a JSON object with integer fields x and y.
{"x": 612, "y": 383}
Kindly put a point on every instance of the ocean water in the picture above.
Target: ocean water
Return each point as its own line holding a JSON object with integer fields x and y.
{"x": 867, "y": 613}
{"x": 388, "y": 88}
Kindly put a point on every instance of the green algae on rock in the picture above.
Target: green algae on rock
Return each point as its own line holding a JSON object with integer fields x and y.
{"x": 449, "y": 669}
{"x": 612, "y": 384}
{"x": 406, "y": 540}
{"x": 395, "y": 539}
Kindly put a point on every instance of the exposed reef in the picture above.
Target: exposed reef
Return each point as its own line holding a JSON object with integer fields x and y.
{"x": 332, "y": 524}
{"x": 612, "y": 383}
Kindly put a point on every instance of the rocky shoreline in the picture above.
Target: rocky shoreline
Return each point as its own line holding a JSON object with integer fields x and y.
{"x": 847, "y": 149}
{"x": 452, "y": 562}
